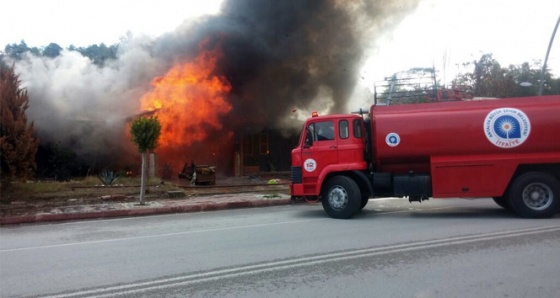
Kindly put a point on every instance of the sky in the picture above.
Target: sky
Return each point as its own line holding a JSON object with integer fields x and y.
{"x": 440, "y": 33}
{"x": 86, "y": 22}
{"x": 450, "y": 32}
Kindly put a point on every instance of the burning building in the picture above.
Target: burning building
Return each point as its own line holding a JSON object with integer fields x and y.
{"x": 225, "y": 87}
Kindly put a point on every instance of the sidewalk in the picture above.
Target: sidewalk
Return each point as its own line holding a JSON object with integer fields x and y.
{"x": 159, "y": 206}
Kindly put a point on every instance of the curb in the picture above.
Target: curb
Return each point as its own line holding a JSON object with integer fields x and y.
{"x": 207, "y": 206}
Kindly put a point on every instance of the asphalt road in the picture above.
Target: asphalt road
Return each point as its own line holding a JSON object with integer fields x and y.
{"x": 440, "y": 248}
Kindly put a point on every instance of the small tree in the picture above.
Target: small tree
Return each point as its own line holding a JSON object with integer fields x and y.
{"x": 18, "y": 144}
{"x": 145, "y": 132}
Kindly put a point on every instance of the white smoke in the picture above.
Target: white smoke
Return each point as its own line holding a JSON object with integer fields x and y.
{"x": 78, "y": 104}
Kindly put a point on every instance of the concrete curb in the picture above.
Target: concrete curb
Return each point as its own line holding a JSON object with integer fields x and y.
{"x": 141, "y": 211}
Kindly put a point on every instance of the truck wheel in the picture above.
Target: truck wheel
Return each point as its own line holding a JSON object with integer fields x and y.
{"x": 502, "y": 202}
{"x": 535, "y": 195}
{"x": 341, "y": 197}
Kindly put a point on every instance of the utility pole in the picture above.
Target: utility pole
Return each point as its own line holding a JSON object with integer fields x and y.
{"x": 541, "y": 82}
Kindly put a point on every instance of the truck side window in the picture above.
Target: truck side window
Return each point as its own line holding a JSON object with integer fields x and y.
{"x": 311, "y": 132}
{"x": 343, "y": 129}
{"x": 323, "y": 131}
{"x": 357, "y": 129}
{"x": 308, "y": 141}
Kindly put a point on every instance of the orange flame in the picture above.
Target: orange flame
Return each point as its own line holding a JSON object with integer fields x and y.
{"x": 188, "y": 99}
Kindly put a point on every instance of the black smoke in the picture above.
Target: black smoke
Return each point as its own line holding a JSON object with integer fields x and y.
{"x": 282, "y": 58}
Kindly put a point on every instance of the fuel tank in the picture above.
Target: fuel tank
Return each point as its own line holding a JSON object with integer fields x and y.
{"x": 405, "y": 137}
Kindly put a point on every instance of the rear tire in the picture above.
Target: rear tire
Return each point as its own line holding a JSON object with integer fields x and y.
{"x": 341, "y": 197}
{"x": 535, "y": 195}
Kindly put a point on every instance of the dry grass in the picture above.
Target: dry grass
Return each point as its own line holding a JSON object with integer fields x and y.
{"x": 91, "y": 190}
{"x": 83, "y": 189}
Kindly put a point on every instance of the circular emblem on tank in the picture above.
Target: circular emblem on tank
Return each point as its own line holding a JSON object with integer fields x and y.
{"x": 392, "y": 139}
{"x": 507, "y": 127}
{"x": 310, "y": 165}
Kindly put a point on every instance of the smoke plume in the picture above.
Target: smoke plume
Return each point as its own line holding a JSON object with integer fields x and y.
{"x": 282, "y": 59}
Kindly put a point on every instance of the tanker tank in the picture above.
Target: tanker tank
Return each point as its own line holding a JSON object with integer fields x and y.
{"x": 405, "y": 137}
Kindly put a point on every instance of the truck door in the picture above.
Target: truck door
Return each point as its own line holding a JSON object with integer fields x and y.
{"x": 321, "y": 152}
{"x": 350, "y": 141}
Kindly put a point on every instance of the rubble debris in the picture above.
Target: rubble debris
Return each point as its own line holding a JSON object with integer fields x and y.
{"x": 199, "y": 174}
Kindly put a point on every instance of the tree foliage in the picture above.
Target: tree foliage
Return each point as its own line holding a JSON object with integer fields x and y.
{"x": 98, "y": 54}
{"x": 145, "y": 132}
{"x": 489, "y": 79}
{"x": 18, "y": 144}
{"x": 17, "y": 51}
{"x": 52, "y": 50}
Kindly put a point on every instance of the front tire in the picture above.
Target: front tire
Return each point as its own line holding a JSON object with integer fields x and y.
{"x": 341, "y": 197}
{"x": 365, "y": 200}
{"x": 535, "y": 195}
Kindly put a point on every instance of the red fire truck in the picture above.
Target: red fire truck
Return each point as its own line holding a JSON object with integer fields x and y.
{"x": 505, "y": 149}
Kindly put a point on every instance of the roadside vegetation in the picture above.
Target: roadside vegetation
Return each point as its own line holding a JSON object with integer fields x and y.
{"x": 86, "y": 189}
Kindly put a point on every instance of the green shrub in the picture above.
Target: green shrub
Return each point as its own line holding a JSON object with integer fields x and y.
{"x": 108, "y": 177}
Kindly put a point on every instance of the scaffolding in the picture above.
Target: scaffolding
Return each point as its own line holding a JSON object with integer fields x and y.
{"x": 416, "y": 86}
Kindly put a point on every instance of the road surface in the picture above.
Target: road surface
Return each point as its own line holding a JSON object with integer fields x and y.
{"x": 439, "y": 248}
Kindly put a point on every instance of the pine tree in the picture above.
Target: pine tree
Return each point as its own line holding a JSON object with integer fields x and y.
{"x": 18, "y": 143}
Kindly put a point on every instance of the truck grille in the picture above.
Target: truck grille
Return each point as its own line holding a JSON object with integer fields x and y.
{"x": 296, "y": 175}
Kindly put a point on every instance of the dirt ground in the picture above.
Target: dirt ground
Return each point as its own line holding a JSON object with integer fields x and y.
{"x": 72, "y": 194}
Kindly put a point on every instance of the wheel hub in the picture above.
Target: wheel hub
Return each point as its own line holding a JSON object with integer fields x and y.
{"x": 537, "y": 196}
{"x": 338, "y": 198}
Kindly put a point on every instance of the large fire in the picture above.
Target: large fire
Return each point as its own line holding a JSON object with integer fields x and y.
{"x": 188, "y": 101}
